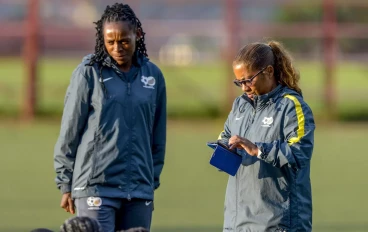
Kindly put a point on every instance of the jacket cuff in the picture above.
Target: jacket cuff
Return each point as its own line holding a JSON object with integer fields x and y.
{"x": 65, "y": 188}
{"x": 261, "y": 151}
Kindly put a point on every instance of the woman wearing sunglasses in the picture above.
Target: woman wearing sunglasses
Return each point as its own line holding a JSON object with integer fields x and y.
{"x": 272, "y": 127}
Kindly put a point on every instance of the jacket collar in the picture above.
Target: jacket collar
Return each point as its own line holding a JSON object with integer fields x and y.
{"x": 262, "y": 101}
{"x": 268, "y": 98}
{"x": 139, "y": 60}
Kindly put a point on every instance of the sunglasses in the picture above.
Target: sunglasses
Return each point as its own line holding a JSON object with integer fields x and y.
{"x": 247, "y": 82}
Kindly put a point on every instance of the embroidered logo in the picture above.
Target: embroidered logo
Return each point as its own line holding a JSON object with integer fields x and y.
{"x": 149, "y": 82}
{"x": 267, "y": 122}
{"x": 106, "y": 79}
{"x": 94, "y": 203}
{"x": 238, "y": 118}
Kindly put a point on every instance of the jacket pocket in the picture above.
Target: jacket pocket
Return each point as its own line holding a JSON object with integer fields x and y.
{"x": 102, "y": 139}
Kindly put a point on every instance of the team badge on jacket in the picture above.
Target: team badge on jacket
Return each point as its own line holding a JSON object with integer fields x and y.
{"x": 149, "y": 82}
{"x": 267, "y": 122}
{"x": 94, "y": 203}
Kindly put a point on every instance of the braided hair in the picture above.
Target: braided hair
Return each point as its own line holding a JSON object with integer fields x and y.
{"x": 81, "y": 224}
{"x": 118, "y": 12}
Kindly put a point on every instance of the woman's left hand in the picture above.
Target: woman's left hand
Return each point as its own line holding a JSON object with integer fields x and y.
{"x": 243, "y": 143}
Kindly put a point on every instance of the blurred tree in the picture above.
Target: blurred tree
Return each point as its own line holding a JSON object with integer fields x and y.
{"x": 313, "y": 13}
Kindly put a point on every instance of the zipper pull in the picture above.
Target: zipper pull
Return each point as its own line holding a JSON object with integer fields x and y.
{"x": 129, "y": 198}
{"x": 128, "y": 88}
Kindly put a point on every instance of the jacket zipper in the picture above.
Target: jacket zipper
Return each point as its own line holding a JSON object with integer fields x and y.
{"x": 254, "y": 112}
{"x": 130, "y": 152}
{"x": 130, "y": 149}
{"x": 128, "y": 88}
{"x": 130, "y": 160}
{"x": 131, "y": 135}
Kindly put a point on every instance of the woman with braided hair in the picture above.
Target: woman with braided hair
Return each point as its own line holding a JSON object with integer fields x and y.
{"x": 110, "y": 152}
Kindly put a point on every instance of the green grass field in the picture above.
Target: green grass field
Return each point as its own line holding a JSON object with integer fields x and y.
{"x": 192, "y": 192}
{"x": 196, "y": 90}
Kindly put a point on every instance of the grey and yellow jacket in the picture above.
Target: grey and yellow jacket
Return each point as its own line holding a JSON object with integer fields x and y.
{"x": 113, "y": 131}
{"x": 271, "y": 192}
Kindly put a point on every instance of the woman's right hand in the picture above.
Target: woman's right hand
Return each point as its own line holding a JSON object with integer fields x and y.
{"x": 67, "y": 203}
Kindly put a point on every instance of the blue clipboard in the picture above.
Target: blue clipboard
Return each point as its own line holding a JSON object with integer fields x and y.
{"x": 224, "y": 159}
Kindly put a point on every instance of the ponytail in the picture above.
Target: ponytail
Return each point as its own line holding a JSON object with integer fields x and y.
{"x": 285, "y": 72}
